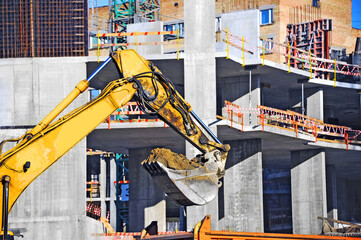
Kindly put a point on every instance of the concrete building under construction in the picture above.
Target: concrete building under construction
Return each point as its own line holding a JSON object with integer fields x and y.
{"x": 279, "y": 81}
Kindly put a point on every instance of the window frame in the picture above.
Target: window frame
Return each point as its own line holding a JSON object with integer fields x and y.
{"x": 270, "y": 16}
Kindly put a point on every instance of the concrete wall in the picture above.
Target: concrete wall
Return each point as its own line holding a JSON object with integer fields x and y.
{"x": 31, "y": 88}
{"x": 246, "y": 24}
{"x": 54, "y": 204}
{"x": 146, "y": 27}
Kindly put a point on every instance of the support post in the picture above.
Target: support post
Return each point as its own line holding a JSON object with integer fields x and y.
{"x": 264, "y": 49}
{"x": 103, "y": 183}
{"x": 244, "y": 59}
{"x": 303, "y": 99}
{"x": 112, "y": 205}
{"x": 250, "y": 96}
{"x": 334, "y": 76}
{"x": 289, "y": 58}
{"x": 227, "y": 44}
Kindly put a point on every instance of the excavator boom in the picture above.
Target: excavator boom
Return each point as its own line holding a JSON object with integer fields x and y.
{"x": 188, "y": 181}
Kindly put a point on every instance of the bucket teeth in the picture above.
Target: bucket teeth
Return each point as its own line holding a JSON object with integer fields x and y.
{"x": 153, "y": 168}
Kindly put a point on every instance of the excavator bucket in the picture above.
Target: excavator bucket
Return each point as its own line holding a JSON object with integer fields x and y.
{"x": 188, "y": 182}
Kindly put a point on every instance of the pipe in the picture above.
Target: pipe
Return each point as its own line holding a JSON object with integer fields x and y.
{"x": 250, "y": 96}
{"x": 99, "y": 68}
{"x": 205, "y": 127}
{"x": 5, "y": 182}
{"x": 302, "y": 99}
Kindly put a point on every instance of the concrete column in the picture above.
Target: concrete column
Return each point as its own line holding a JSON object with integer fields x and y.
{"x": 113, "y": 177}
{"x": 331, "y": 185}
{"x": 200, "y": 80}
{"x": 103, "y": 184}
{"x": 241, "y": 206}
{"x": 146, "y": 199}
{"x": 313, "y": 101}
{"x": 308, "y": 186}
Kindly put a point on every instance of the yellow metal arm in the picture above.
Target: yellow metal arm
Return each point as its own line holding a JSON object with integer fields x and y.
{"x": 42, "y": 146}
{"x": 168, "y": 104}
{"x": 48, "y": 145}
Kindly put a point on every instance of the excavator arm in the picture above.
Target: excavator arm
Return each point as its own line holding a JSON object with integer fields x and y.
{"x": 189, "y": 182}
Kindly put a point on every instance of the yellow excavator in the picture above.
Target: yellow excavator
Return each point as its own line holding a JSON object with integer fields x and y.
{"x": 189, "y": 182}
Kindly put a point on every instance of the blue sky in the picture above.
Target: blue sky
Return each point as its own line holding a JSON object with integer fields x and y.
{"x": 356, "y": 10}
{"x": 100, "y": 3}
{"x": 356, "y": 14}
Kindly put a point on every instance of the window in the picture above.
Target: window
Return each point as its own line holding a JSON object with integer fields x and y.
{"x": 316, "y": 3}
{"x": 268, "y": 46}
{"x": 266, "y": 16}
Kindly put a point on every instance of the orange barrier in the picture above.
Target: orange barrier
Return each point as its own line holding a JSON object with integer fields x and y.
{"x": 232, "y": 111}
{"x": 93, "y": 209}
{"x": 290, "y": 120}
{"x": 206, "y": 233}
{"x": 136, "y": 43}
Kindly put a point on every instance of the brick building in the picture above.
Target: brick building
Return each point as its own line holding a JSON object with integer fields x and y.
{"x": 277, "y": 14}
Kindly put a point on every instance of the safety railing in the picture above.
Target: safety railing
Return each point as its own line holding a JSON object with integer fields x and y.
{"x": 292, "y": 121}
{"x": 131, "y": 113}
{"x": 136, "y": 42}
{"x": 301, "y": 59}
{"x": 94, "y": 211}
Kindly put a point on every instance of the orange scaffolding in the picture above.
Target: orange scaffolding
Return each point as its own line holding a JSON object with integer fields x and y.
{"x": 292, "y": 121}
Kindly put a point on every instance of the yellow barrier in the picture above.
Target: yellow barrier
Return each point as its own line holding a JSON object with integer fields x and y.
{"x": 244, "y": 60}
{"x": 227, "y": 44}
{"x": 178, "y": 44}
{"x": 264, "y": 48}
{"x": 289, "y": 58}
{"x": 334, "y": 76}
